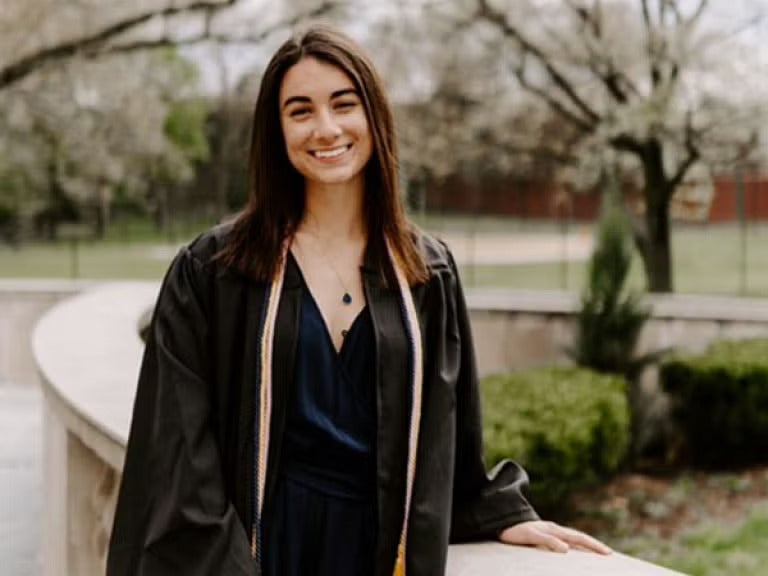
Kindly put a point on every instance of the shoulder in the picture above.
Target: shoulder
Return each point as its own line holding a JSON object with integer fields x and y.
{"x": 207, "y": 245}
{"x": 434, "y": 251}
{"x": 196, "y": 264}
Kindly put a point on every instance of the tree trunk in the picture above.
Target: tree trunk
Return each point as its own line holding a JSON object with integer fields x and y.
{"x": 102, "y": 211}
{"x": 161, "y": 206}
{"x": 657, "y": 250}
{"x": 656, "y": 247}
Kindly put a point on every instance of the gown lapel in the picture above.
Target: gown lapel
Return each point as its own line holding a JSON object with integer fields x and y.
{"x": 393, "y": 406}
{"x": 283, "y": 365}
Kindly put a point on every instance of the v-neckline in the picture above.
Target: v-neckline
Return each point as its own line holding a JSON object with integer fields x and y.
{"x": 326, "y": 329}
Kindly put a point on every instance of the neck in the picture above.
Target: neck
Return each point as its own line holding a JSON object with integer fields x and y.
{"x": 334, "y": 212}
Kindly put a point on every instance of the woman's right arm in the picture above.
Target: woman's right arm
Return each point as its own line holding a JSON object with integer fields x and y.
{"x": 173, "y": 515}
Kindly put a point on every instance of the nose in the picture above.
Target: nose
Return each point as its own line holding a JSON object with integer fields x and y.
{"x": 326, "y": 127}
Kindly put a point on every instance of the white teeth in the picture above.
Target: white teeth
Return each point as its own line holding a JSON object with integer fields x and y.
{"x": 330, "y": 153}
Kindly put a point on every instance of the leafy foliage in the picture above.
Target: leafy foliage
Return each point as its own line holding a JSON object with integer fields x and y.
{"x": 720, "y": 403}
{"x": 80, "y": 136}
{"x": 184, "y": 127}
{"x": 568, "y": 426}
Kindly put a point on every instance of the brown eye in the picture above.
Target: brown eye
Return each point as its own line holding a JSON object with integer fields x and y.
{"x": 345, "y": 105}
{"x": 299, "y": 112}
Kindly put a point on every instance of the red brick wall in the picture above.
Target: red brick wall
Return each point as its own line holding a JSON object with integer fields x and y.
{"x": 543, "y": 201}
{"x": 725, "y": 203}
{"x": 514, "y": 198}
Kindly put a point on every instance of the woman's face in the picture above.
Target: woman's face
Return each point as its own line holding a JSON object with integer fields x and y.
{"x": 324, "y": 123}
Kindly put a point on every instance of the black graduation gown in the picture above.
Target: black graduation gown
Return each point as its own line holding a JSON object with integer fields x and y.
{"x": 185, "y": 504}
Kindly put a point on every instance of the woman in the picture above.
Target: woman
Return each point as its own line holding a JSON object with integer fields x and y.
{"x": 308, "y": 398}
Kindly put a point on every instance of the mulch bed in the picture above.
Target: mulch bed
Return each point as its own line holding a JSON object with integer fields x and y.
{"x": 666, "y": 505}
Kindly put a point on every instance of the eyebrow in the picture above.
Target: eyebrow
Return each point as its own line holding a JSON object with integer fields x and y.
{"x": 306, "y": 99}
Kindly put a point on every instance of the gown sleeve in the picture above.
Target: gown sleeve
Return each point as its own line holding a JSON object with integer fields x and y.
{"x": 173, "y": 515}
{"x": 483, "y": 504}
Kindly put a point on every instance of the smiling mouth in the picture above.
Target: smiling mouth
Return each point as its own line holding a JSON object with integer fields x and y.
{"x": 331, "y": 153}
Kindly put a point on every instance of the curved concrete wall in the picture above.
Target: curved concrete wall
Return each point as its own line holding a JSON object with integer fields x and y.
{"x": 22, "y": 302}
{"x": 88, "y": 353}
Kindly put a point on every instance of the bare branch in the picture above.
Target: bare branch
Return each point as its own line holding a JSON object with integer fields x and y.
{"x": 93, "y": 44}
{"x": 647, "y": 16}
{"x": 674, "y": 6}
{"x": 692, "y": 155}
{"x": 601, "y": 64}
{"x": 538, "y": 151}
{"x": 652, "y": 45}
{"x": 582, "y": 124}
{"x": 590, "y": 19}
{"x": 627, "y": 143}
{"x": 699, "y": 11}
{"x": 488, "y": 13}
{"x": 207, "y": 36}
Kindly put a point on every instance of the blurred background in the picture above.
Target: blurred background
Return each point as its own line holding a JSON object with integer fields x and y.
{"x": 124, "y": 130}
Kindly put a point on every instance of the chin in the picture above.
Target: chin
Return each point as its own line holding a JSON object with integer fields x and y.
{"x": 338, "y": 178}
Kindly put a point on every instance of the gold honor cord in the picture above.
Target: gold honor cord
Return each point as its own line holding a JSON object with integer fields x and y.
{"x": 265, "y": 393}
{"x": 413, "y": 330}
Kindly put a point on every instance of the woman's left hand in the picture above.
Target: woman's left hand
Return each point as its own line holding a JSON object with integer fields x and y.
{"x": 551, "y": 536}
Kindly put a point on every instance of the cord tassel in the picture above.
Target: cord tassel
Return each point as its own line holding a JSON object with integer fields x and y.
{"x": 400, "y": 562}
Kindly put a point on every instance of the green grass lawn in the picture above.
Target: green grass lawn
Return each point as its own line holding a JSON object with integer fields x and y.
{"x": 711, "y": 549}
{"x": 132, "y": 250}
{"x": 103, "y": 260}
{"x": 699, "y": 523}
{"x": 707, "y": 259}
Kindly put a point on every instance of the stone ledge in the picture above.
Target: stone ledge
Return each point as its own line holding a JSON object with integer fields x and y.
{"x": 494, "y": 559}
{"x": 88, "y": 352}
{"x": 663, "y": 306}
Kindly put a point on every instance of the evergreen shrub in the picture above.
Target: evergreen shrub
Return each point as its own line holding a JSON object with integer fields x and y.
{"x": 720, "y": 403}
{"x": 569, "y": 428}
{"x": 612, "y": 316}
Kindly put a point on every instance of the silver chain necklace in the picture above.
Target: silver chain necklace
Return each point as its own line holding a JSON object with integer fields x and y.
{"x": 346, "y": 299}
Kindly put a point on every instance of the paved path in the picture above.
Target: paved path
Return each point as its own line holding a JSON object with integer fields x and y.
{"x": 518, "y": 248}
{"x": 20, "y": 480}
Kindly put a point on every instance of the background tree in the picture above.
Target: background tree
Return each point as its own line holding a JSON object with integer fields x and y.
{"x": 78, "y": 135}
{"x": 35, "y": 34}
{"x": 650, "y": 79}
{"x": 97, "y": 105}
{"x": 460, "y": 114}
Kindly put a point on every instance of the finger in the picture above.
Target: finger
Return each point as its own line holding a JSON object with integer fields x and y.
{"x": 554, "y": 544}
{"x": 551, "y": 542}
{"x": 578, "y": 539}
{"x": 590, "y": 544}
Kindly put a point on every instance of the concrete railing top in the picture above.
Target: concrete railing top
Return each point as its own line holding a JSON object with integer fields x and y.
{"x": 680, "y": 306}
{"x": 88, "y": 352}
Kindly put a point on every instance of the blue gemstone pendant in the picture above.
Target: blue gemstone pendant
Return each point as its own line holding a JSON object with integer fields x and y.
{"x": 347, "y": 299}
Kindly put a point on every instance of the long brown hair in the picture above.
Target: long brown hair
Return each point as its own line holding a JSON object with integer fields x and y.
{"x": 276, "y": 197}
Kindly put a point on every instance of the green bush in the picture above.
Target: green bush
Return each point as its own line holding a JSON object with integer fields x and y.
{"x": 569, "y": 427}
{"x": 720, "y": 403}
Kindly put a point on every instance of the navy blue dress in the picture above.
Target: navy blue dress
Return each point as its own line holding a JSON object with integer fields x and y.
{"x": 325, "y": 516}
